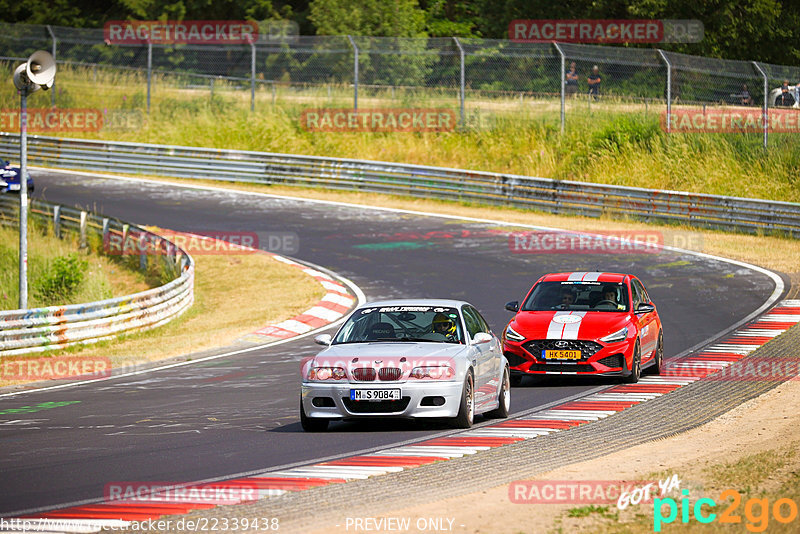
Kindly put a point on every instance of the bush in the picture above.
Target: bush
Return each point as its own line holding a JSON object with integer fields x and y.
{"x": 61, "y": 278}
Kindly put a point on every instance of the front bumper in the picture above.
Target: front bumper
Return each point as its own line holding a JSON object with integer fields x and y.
{"x": 427, "y": 398}
{"x": 613, "y": 359}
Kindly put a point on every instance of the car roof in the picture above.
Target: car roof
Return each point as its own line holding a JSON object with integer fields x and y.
{"x": 585, "y": 276}
{"x": 444, "y": 303}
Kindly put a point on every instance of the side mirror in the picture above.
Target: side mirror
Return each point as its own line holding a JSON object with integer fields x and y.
{"x": 481, "y": 337}
{"x": 323, "y": 339}
{"x": 645, "y": 307}
{"x": 513, "y": 306}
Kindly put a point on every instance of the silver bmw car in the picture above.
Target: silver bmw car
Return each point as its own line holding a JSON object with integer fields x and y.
{"x": 407, "y": 358}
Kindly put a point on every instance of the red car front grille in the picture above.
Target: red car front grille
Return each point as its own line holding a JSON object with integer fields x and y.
{"x": 388, "y": 374}
{"x": 364, "y": 374}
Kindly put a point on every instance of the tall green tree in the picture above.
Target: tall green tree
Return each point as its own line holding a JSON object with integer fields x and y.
{"x": 379, "y": 18}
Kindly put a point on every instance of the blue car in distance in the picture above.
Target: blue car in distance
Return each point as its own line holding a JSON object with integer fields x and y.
{"x": 9, "y": 178}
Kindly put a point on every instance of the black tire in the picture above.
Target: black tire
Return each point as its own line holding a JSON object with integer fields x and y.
{"x": 312, "y": 424}
{"x": 658, "y": 359}
{"x": 501, "y": 412}
{"x": 516, "y": 380}
{"x": 636, "y": 366}
{"x": 466, "y": 411}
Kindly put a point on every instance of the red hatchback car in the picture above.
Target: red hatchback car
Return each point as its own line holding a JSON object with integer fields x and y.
{"x": 584, "y": 323}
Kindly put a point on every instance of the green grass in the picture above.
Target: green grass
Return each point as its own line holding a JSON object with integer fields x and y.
{"x": 613, "y": 141}
{"x": 586, "y": 511}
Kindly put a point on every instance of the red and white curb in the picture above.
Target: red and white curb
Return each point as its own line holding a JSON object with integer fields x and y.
{"x": 332, "y": 307}
{"x": 697, "y": 366}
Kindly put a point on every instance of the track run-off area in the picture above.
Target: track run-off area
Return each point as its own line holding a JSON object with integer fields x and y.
{"x": 238, "y": 415}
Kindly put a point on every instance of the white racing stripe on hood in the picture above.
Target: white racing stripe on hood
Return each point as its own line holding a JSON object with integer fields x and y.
{"x": 558, "y": 330}
{"x": 584, "y": 276}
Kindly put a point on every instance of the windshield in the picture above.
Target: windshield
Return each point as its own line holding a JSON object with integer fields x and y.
{"x": 577, "y": 296}
{"x": 402, "y": 323}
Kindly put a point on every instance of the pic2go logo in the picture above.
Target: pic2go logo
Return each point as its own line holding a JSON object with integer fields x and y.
{"x": 756, "y": 511}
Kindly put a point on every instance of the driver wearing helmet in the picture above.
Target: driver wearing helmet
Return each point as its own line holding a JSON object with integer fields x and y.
{"x": 444, "y": 325}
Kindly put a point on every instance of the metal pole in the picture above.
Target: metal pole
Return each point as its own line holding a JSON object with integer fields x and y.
{"x": 355, "y": 73}
{"x": 252, "y": 77}
{"x": 461, "y": 81}
{"x": 149, "y": 71}
{"x": 23, "y": 200}
{"x": 765, "y": 116}
{"x": 669, "y": 89}
{"x": 563, "y": 86}
{"x": 53, "y": 88}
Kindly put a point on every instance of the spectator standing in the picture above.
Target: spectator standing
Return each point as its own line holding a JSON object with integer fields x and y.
{"x": 594, "y": 80}
{"x": 572, "y": 80}
{"x": 785, "y": 99}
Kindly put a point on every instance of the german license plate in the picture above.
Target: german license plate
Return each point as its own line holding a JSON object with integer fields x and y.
{"x": 13, "y": 187}
{"x": 561, "y": 354}
{"x": 374, "y": 394}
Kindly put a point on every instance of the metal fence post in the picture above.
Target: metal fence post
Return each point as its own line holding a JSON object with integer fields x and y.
{"x": 57, "y": 221}
{"x": 669, "y": 88}
{"x": 252, "y": 77}
{"x": 82, "y": 242}
{"x": 106, "y": 238}
{"x": 53, "y": 87}
{"x": 563, "y": 86}
{"x": 23, "y": 199}
{"x": 149, "y": 71}
{"x": 355, "y": 72}
{"x": 461, "y": 81}
{"x": 765, "y": 116}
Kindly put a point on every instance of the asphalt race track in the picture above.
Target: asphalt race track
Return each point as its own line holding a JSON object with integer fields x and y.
{"x": 240, "y": 414}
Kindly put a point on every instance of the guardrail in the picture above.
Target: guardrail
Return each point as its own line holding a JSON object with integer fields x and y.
{"x": 40, "y": 329}
{"x": 555, "y": 196}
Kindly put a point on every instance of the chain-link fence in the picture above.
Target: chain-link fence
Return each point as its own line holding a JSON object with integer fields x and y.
{"x": 480, "y": 79}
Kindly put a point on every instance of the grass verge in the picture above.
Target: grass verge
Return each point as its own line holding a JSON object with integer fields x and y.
{"x": 610, "y": 141}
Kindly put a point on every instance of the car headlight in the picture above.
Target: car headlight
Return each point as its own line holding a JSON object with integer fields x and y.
{"x": 326, "y": 373}
{"x": 512, "y": 334}
{"x": 619, "y": 335}
{"x": 434, "y": 372}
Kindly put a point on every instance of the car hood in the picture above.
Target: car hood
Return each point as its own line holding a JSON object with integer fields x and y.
{"x": 568, "y": 325}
